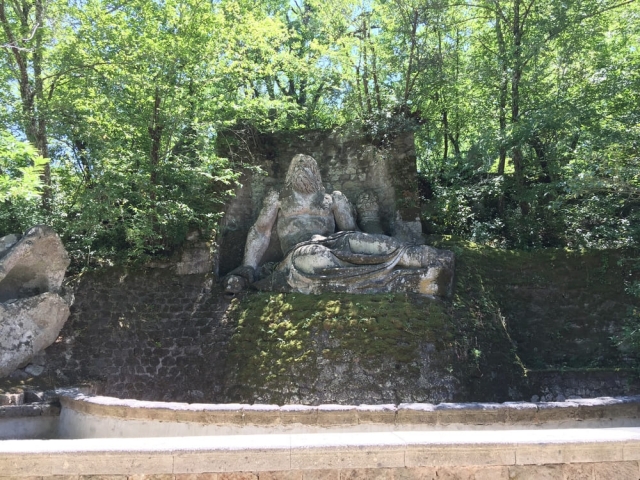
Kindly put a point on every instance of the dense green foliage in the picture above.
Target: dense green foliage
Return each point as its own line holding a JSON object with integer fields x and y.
{"x": 526, "y": 112}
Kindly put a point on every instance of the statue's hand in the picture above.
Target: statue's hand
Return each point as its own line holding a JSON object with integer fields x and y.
{"x": 238, "y": 279}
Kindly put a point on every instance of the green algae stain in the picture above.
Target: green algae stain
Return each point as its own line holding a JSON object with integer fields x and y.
{"x": 284, "y": 335}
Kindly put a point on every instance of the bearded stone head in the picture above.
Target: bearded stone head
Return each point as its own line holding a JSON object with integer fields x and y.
{"x": 303, "y": 175}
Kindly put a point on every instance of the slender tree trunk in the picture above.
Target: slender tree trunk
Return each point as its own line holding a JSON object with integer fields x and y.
{"x": 365, "y": 68}
{"x": 155, "y": 133}
{"x": 502, "y": 94}
{"x": 374, "y": 72}
{"x": 516, "y": 76}
{"x": 412, "y": 48}
{"x": 445, "y": 128}
{"x": 41, "y": 123}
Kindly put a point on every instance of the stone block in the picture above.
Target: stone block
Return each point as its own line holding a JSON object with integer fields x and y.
{"x": 417, "y": 414}
{"x": 259, "y": 414}
{"x": 592, "y": 453}
{"x": 536, "y": 472}
{"x": 229, "y": 461}
{"x": 616, "y": 470}
{"x": 376, "y": 414}
{"x": 623, "y": 409}
{"x": 24, "y": 478}
{"x": 125, "y": 464}
{"x": 631, "y": 452}
{"x": 238, "y": 476}
{"x": 282, "y": 475}
{"x": 470, "y": 413}
{"x": 16, "y": 466}
{"x": 418, "y": 456}
{"x": 346, "y": 458}
{"x": 538, "y": 455}
{"x": 166, "y": 476}
{"x": 419, "y": 473}
{"x": 196, "y": 476}
{"x": 472, "y": 473}
{"x": 302, "y": 414}
{"x": 490, "y": 473}
{"x": 321, "y": 475}
{"x": 578, "y": 471}
{"x": 337, "y": 415}
{"x": 556, "y": 411}
{"x": 367, "y": 474}
{"x": 521, "y": 412}
{"x": 230, "y": 414}
{"x": 103, "y": 477}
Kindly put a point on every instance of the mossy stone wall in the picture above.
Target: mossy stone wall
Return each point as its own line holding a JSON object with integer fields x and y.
{"x": 519, "y": 325}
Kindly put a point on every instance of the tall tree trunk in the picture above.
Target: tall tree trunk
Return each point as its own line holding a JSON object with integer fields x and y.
{"x": 516, "y": 151}
{"x": 412, "y": 49}
{"x": 516, "y": 76}
{"x": 365, "y": 67}
{"x": 40, "y": 114}
{"x": 445, "y": 128}
{"x": 155, "y": 133}
{"x": 502, "y": 94}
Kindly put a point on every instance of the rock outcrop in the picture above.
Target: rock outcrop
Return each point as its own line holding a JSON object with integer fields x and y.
{"x": 32, "y": 306}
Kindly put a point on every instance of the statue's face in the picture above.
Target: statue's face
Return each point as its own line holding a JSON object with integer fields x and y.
{"x": 303, "y": 175}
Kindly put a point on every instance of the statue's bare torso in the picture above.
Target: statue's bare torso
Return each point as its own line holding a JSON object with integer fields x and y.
{"x": 299, "y": 219}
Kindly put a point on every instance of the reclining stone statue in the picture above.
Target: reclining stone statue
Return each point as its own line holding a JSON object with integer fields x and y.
{"x": 326, "y": 252}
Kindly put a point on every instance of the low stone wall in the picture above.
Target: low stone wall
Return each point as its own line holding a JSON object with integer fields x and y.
{"x": 86, "y": 416}
{"x": 603, "y": 454}
{"x": 443, "y": 446}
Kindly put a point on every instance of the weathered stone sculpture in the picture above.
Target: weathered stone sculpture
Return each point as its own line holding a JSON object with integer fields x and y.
{"x": 32, "y": 311}
{"x": 317, "y": 259}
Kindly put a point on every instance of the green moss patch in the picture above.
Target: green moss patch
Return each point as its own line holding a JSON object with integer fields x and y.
{"x": 279, "y": 336}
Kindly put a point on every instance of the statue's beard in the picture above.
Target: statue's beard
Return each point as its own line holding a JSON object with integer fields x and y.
{"x": 303, "y": 181}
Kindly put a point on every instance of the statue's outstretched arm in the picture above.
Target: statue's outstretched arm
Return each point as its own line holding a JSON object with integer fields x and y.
{"x": 260, "y": 233}
{"x": 257, "y": 243}
{"x": 343, "y": 212}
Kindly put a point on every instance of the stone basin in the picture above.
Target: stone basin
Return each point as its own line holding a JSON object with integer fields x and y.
{"x": 94, "y": 435}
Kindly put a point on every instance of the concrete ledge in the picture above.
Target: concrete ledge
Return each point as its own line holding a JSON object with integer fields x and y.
{"x": 294, "y": 456}
{"x": 30, "y": 410}
{"x": 606, "y": 411}
{"x": 35, "y": 420}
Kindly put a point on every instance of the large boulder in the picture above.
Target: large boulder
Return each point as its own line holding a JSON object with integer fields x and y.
{"x": 32, "y": 306}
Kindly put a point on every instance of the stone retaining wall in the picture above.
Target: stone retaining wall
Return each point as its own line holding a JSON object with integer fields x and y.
{"x": 148, "y": 334}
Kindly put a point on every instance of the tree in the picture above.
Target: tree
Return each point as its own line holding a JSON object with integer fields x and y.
{"x": 25, "y": 34}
